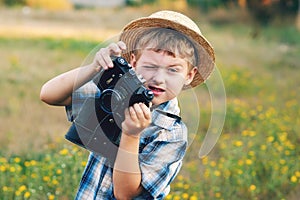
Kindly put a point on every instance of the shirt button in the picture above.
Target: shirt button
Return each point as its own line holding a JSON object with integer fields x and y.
{"x": 104, "y": 189}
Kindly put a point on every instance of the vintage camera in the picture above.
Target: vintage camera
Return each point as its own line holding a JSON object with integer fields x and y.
{"x": 98, "y": 124}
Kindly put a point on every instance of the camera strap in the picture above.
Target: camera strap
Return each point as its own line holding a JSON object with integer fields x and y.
{"x": 177, "y": 118}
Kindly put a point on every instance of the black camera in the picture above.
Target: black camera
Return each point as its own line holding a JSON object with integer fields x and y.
{"x": 98, "y": 124}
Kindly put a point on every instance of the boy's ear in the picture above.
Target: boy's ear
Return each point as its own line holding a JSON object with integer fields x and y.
{"x": 133, "y": 60}
{"x": 190, "y": 76}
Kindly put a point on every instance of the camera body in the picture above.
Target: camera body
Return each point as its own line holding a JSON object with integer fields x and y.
{"x": 98, "y": 124}
{"x": 121, "y": 88}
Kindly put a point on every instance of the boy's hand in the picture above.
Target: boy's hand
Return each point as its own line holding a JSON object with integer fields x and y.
{"x": 137, "y": 118}
{"x": 103, "y": 56}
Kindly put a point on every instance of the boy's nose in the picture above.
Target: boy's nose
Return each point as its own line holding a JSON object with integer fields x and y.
{"x": 159, "y": 77}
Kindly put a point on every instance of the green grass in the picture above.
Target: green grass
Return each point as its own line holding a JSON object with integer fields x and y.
{"x": 256, "y": 157}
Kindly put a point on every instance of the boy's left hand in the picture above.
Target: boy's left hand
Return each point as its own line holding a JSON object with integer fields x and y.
{"x": 102, "y": 58}
{"x": 137, "y": 118}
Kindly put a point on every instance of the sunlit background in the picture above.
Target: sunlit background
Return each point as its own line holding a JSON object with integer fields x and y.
{"x": 257, "y": 47}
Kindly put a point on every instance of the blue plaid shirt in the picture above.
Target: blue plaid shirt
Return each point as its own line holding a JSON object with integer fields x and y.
{"x": 162, "y": 147}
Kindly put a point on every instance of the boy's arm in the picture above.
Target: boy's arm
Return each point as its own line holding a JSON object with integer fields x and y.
{"x": 127, "y": 175}
{"x": 58, "y": 91}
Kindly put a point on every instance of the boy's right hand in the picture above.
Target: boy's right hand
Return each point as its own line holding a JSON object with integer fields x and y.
{"x": 137, "y": 118}
{"x": 102, "y": 58}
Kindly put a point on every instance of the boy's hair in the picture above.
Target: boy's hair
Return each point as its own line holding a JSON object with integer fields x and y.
{"x": 167, "y": 40}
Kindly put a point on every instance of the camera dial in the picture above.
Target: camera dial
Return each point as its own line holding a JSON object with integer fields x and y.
{"x": 148, "y": 94}
{"x": 122, "y": 62}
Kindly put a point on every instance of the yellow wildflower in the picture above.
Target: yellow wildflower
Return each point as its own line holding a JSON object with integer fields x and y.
{"x": 293, "y": 179}
{"x": 185, "y": 195}
{"x": 270, "y": 139}
{"x": 5, "y": 188}
{"x": 55, "y": 182}
{"x": 263, "y": 147}
{"x": 33, "y": 162}
{"x": 213, "y": 163}
{"x": 186, "y": 186}
{"x": 22, "y": 188}
{"x": 64, "y": 152}
{"x": 17, "y": 193}
{"x": 169, "y": 196}
{"x": 2, "y": 168}
{"x": 252, "y": 187}
{"x": 251, "y": 153}
{"x": 218, "y": 195}
{"x": 83, "y": 163}
{"x": 51, "y": 197}
{"x": 12, "y": 169}
{"x": 176, "y": 197}
{"x": 238, "y": 143}
{"x": 249, "y": 162}
{"x": 193, "y": 197}
{"x": 217, "y": 173}
{"x": 27, "y": 195}
{"x": 17, "y": 160}
{"x": 27, "y": 164}
{"x": 204, "y": 160}
{"x": 46, "y": 178}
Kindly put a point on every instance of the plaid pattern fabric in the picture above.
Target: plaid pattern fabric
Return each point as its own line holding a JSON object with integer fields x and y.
{"x": 162, "y": 147}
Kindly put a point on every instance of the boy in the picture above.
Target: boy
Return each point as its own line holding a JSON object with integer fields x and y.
{"x": 169, "y": 51}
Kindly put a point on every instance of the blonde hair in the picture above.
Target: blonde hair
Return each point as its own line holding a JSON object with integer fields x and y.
{"x": 168, "y": 40}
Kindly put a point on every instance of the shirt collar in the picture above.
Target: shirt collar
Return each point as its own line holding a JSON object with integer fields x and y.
{"x": 166, "y": 114}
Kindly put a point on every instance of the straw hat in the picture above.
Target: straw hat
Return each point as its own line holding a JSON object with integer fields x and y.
{"x": 177, "y": 21}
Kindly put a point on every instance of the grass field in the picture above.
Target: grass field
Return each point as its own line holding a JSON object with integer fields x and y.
{"x": 256, "y": 157}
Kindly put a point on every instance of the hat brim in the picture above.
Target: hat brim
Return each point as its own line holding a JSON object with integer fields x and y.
{"x": 205, "y": 53}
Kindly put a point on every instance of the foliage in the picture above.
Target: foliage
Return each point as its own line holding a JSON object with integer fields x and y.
{"x": 36, "y": 176}
{"x": 267, "y": 10}
{"x": 139, "y": 2}
{"x": 206, "y": 5}
{"x": 12, "y": 2}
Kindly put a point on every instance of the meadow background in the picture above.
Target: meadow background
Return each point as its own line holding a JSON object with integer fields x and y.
{"x": 257, "y": 155}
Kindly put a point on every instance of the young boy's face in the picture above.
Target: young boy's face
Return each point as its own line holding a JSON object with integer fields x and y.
{"x": 165, "y": 74}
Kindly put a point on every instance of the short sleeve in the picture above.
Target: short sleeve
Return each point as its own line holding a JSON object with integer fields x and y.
{"x": 161, "y": 160}
{"x": 79, "y": 96}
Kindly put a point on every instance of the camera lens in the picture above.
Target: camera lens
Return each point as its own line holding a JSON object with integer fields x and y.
{"x": 106, "y": 99}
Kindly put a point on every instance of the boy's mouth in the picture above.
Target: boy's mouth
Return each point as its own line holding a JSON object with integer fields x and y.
{"x": 156, "y": 90}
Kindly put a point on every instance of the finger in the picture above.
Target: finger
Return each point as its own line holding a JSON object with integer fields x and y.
{"x": 121, "y": 45}
{"x": 102, "y": 58}
{"x": 132, "y": 114}
{"x": 138, "y": 110}
{"x": 126, "y": 113}
{"x": 105, "y": 58}
{"x": 114, "y": 49}
{"x": 146, "y": 111}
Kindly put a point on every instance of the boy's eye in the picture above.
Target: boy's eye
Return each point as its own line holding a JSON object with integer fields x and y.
{"x": 173, "y": 70}
{"x": 150, "y": 67}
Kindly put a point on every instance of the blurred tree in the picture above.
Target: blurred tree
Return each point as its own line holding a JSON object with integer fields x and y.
{"x": 264, "y": 11}
{"x": 139, "y": 2}
{"x": 298, "y": 17}
{"x": 206, "y": 5}
{"x": 12, "y": 2}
